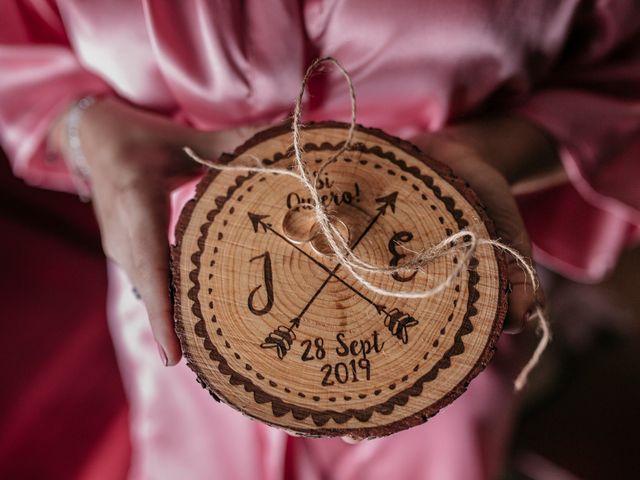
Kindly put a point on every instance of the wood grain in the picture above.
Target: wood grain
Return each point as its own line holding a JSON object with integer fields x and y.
{"x": 281, "y": 332}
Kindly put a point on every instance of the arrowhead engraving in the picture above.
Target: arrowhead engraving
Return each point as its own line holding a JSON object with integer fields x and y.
{"x": 257, "y": 220}
{"x": 295, "y": 323}
{"x": 388, "y": 201}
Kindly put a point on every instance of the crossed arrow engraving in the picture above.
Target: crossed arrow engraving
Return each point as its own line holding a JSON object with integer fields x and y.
{"x": 398, "y": 322}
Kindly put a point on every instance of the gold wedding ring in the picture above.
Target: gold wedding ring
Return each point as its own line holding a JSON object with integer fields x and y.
{"x": 319, "y": 242}
{"x": 299, "y": 226}
{"x": 298, "y": 223}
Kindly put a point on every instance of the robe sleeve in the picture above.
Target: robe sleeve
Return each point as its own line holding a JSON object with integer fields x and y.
{"x": 40, "y": 77}
{"x": 590, "y": 103}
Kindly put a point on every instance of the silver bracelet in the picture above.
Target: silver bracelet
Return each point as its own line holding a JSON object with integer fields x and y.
{"x": 75, "y": 159}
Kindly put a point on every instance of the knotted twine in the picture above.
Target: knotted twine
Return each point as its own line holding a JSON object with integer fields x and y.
{"x": 465, "y": 239}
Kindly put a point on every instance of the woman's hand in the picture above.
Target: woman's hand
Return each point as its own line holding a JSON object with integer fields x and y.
{"x": 490, "y": 154}
{"x": 135, "y": 159}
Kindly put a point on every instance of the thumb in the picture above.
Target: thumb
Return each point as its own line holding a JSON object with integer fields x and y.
{"x": 351, "y": 440}
{"x": 522, "y": 288}
{"x": 211, "y": 145}
{"x": 523, "y": 297}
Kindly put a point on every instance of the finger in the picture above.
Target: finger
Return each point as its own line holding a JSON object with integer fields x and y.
{"x": 147, "y": 229}
{"x": 211, "y": 145}
{"x": 351, "y": 440}
{"x": 521, "y": 299}
{"x": 522, "y": 295}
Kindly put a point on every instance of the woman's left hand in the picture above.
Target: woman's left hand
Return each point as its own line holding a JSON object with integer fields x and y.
{"x": 491, "y": 154}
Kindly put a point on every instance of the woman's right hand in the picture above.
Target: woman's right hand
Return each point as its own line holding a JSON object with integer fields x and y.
{"x": 135, "y": 159}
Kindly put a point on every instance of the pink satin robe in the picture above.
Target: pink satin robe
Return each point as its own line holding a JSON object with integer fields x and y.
{"x": 572, "y": 67}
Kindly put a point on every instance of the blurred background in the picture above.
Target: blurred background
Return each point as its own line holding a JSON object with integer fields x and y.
{"x": 64, "y": 414}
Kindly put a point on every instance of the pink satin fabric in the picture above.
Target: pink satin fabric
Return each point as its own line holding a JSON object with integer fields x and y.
{"x": 416, "y": 66}
{"x": 179, "y": 431}
{"x": 573, "y": 67}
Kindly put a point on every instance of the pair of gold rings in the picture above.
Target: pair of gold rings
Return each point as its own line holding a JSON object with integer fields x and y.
{"x": 299, "y": 226}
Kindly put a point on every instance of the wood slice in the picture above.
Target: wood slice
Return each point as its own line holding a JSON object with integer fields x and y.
{"x": 281, "y": 332}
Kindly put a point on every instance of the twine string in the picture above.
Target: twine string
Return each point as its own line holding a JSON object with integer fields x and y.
{"x": 465, "y": 240}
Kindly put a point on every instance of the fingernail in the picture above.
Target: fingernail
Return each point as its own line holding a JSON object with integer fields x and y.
{"x": 509, "y": 287}
{"x": 163, "y": 355}
{"x": 351, "y": 440}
